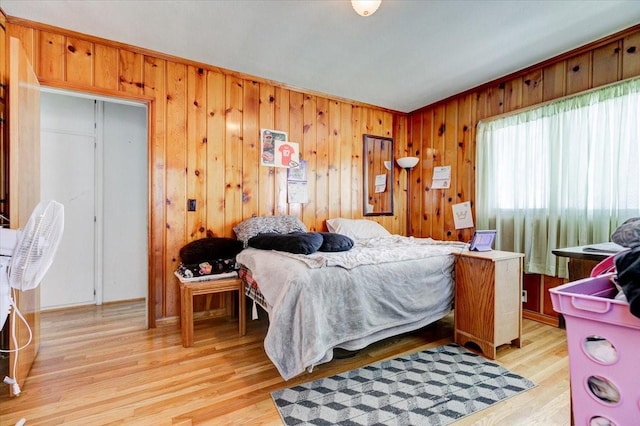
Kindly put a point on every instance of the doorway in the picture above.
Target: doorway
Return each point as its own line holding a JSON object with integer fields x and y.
{"x": 94, "y": 161}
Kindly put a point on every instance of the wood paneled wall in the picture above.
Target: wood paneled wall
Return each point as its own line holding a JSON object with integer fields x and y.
{"x": 444, "y": 133}
{"x": 204, "y": 137}
{"x": 204, "y": 142}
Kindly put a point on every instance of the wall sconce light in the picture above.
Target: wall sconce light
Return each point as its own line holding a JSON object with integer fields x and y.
{"x": 408, "y": 163}
{"x": 365, "y": 7}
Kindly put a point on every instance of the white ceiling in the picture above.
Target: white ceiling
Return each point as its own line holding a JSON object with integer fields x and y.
{"x": 409, "y": 54}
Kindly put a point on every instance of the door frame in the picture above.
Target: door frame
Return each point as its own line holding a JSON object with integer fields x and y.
{"x": 134, "y": 100}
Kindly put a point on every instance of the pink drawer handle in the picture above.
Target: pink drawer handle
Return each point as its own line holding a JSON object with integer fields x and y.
{"x": 591, "y": 305}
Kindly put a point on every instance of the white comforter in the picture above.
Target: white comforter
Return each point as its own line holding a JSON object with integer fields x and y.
{"x": 381, "y": 287}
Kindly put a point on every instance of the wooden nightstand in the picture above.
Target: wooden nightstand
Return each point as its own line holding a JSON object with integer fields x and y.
{"x": 488, "y": 300}
{"x": 190, "y": 289}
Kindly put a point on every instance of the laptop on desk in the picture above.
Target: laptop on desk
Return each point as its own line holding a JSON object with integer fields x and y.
{"x": 482, "y": 240}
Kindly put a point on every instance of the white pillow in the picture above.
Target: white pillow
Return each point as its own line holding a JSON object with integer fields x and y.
{"x": 358, "y": 229}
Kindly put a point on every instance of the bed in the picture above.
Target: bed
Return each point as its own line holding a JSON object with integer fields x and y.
{"x": 382, "y": 285}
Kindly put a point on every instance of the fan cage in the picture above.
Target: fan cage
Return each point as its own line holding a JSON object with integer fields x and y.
{"x": 36, "y": 245}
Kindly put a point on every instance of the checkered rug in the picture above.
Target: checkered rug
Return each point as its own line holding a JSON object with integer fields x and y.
{"x": 433, "y": 387}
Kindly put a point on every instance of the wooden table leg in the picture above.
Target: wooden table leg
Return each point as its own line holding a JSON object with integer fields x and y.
{"x": 186, "y": 317}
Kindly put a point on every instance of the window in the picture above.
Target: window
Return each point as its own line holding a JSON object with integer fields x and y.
{"x": 560, "y": 175}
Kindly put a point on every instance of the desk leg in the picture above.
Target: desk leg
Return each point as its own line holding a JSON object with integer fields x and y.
{"x": 186, "y": 317}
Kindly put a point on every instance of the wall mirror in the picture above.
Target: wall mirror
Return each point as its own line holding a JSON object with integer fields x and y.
{"x": 378, "y": 175}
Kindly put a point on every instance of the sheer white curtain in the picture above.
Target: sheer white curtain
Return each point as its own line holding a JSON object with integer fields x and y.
{"x": 560, "y": 175}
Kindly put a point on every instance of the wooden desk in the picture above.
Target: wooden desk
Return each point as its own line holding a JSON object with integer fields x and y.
{"x": 581, "y": 262}
{"x": 190, "y": 289}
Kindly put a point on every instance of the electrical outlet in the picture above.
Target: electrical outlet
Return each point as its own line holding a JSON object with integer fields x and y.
{"x": 524, "y": 296}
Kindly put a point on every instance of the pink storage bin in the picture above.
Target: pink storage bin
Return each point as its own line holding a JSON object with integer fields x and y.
{"x": 604, "y": 351}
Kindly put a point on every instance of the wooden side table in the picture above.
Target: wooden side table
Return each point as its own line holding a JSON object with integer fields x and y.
{"x": 488, "y": 300}
{"x": 190, "y": 289}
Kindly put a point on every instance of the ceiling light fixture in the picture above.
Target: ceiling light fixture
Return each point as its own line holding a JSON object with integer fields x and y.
{"x": 365, "y": 7}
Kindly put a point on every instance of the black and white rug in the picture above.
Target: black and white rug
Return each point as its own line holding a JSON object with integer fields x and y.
{"x": 433, "y": 387}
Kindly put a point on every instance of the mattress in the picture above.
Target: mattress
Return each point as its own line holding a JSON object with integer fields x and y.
{"x": 382, "y": 287}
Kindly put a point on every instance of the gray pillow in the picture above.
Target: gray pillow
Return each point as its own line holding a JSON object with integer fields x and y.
{"x": 627, "y": 234}
{"x": 267, "y": 224}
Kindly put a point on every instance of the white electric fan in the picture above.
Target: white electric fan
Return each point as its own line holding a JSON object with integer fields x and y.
{"x": 31, "y": 257}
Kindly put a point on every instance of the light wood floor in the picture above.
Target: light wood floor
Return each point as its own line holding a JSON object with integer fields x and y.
{"x": 99, "y": 366}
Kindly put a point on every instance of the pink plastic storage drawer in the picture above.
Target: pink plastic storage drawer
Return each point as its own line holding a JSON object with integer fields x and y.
{"x": 604, "y": 349}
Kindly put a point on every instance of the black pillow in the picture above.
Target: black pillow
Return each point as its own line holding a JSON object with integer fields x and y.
{"x": 210, "y": 248}
{"x": 296, "y": 242}
{"x": 332, "y": 241}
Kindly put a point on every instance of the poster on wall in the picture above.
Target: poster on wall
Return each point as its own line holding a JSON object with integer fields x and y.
{"x": 381, "y": 183}
{"x": 297, "y": 192}
{"x": 287, "y": 154}
{"x": 441, "y": 177}
{"x": 462, "y": 215}
{"x": 297, "y": 184}
{"x": 277, "y": 151}
{"x": 298, "y": 174}
{"x": 268, "y": 140}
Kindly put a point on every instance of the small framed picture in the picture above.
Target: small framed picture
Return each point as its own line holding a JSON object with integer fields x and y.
{"x": 268, "y": 140}
{"x": 482, "y": 240}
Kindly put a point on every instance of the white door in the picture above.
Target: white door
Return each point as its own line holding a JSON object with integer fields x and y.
{"x": 94, "y": 161}
{"x": 125, "y": 203}
{"x": 67, "y": 169}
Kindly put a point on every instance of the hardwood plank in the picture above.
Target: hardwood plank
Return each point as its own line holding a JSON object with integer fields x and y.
{"x": 265, "y": 191}
{"x": 606, "y": 64}
{"x": 465, "y": 162}
{"x": 155, "y": 76}
{"x": 334, "y": 172}
{"x": 105, "y": 68}
{"x": 322, "y": 150}
{"x": 357, "y": 202}
{"x": 554, "y": 77}
{"x": 308, "y": 149}
{"x": 532, "y": 89}
{"x": 631, "y": 56}
{"x": 51, "y": 49}
{"x": 250, "y": 189}
{"x": 196, "y": 152}
{"x": 419, "y": 143}
{"x": 450, "y": 158}
{"x": 579, "y": 73}
{"x": 216, "y": 137}
{"x": 296, "y": 123}
{"x": 281, "y": 122}
{"x": 513, "y": 94}
{"x": 79, "y": 61}
{"x": 176, "y": 166}
{"x": 348, "y": 182}
{"x": 130, "y": 68}
{"x": 98, "y": 365}
{"x": 233, "y": 154}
